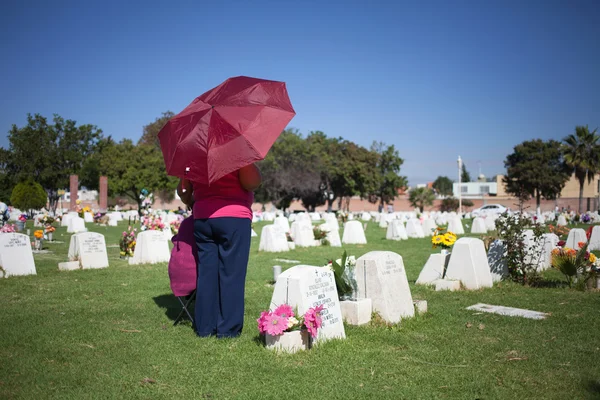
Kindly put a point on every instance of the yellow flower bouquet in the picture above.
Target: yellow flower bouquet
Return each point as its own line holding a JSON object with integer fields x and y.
{"x": 442, "y": 239}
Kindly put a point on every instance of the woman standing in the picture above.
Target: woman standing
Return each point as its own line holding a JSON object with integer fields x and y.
{"x": 222, "y": 228}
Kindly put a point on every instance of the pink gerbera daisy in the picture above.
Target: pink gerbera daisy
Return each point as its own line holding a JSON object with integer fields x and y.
{"x": 262, "y": 321}
{"x": 275, "y": 325}
{"x": 284, "y": 311}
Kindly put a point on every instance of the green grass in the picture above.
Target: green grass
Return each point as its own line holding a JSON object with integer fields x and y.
{"x": 104, "y": 334}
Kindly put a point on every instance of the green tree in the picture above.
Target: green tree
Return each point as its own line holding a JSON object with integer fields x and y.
{"x": 6, "y": 178}
{"x": 582, "y": 155}
{"x": 443, "y": 185}
{"x": 49, "y": 153}
{"x": 421, "y": 197}
{"x": 150, "y": 134}
{"x": 449, "y": 204}
{"x": 28, "y": 195}
{"x": 131, "y": 168}
{"x": 536, "y": 169}
{"x": 465, "y": 176}
{"x": 388, "y": 169}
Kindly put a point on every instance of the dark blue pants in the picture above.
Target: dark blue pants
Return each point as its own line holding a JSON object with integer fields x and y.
{"x": 223, "y": 249}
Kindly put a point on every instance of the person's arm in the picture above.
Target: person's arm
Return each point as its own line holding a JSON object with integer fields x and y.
{"x": 250, "y": 177}
{"x": 187, "y": 195}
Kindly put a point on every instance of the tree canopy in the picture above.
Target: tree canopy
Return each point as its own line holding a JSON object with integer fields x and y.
{"x": 28, "y": 195}
{"x": 421, "y": 197}
{"x": 443, "y": 185}
{"x": 150, "y": 133}
{"x": 465, "y": 176}
{"x": 535, "y": 169}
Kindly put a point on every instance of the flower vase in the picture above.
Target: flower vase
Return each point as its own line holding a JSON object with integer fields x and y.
{"x": 444, "y": 252}
{"x": 20, "y": 225}
{"x": 38, "y": 244}
{"x": 356, "y": 312}
{"x": 50, "y": 236}
{"x": 288, "y": 342}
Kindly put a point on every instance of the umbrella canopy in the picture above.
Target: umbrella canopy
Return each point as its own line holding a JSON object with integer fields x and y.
{"x": 225, "y": 129}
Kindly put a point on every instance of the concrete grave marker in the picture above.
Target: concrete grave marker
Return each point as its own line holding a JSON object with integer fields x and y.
{"x": 354, "y": 233}
{"x": 16, "y": 257}
{"x": 380, "y": 276}
{"x": 304, "y": 287}
{"x": 414, "y": 229}
{"x": 396, "y": 231}
{"x": 433, "y": 269}
{"x": 469, "y": 264}
{"x": 273, "y": 239}
{"x": 88, "y": 217}
{"x": 595, "y": 239}
{"x": 497, "y": 260}
{"x": 508, "y": 311}
{"x": 76, "y": 225}
{"x": 455, "y": 225}
{"x": 429, "y": 226}
{"x": 478, "y": 226}
{"x": 151, "y": 247}
{"x": 89, "y": 249}
{"x": 576, "y": 235}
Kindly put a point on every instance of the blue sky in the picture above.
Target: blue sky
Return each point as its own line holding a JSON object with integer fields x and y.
{"x": 437, "y": 79}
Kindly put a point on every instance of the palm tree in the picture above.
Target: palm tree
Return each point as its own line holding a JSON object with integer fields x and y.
{"x": 582, "y": 153}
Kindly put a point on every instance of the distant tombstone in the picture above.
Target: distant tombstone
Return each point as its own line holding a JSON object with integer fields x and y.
{"x": 333, "y": 235}
{"x": 354, "y": 233}
{"x": 595, "y": 239}
{"x": 433, "y": 269}
{"x": 268, "y": 216}
{"x": 151, "y": 247}
{"x": 478, "y": 226}
{"x": 490, "y": 224}
{"x": 332, "y": 221}
{"x": 576, "y": 235}
{"x": 253, "y": 233}
{"x": 469, "y": 264}
{"x": 550, "y": 242}
{"x": 383, "y": 222}
{"x": 304, "y": 236}
{"x": 116, "y": 215}
{"x": 455, "y": 225}
{"x": 282, "y": 223}
{"x": 396, "y": 231}
{"x": 429, "y": 226}
{"x": 497, "y": 260}
{"x": 16, "y": 257}
{"x": 380, "y": 276}
{"x": 303, "y": 287}
{"x": 315, "y": 216}
{"x": 112, "y": 221}
{"x": 89, "y": 249}
{"x": 414, "y": 229}
{"x": 297, "y": 226}
{"x": 76, "y": 225}
{"x": 65, "y": 220}
{"x": 366, "y": 217}
{"x": 88, "y": 217}
{"x": 273, "y": 240}
{"x": 562, "y": 221}
{"x": 37, "y": 220}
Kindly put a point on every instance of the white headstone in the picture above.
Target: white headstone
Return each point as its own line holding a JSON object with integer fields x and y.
{"x": 469, "y": 264}
{"x": 414, "y": 229}
{"x": 89, "y": 249}
{"x": 88, "y": 217}
{"x": 333, "y": 235}
{"x": 497, "y": 260}
{"x": 383, "y": 222}
{"x": 478, "y": 226}
{"x": 116, "y": 215}
{"x": 66, "y": 218}
{"x": 595, "y": 239}
{"x": 429, "y": 226}
{"x": 396, "y": 231}
{"x": 576, "y": 235}
{"x": 282, "y": 223}
{"x": 354, "y": 233}
{"x": 151, "y": 247}
{"x": 332, "y": 221}
{"x": 562, "y": 221}
{"x": 76, "y": 225}
{"x": 273, "y": 239}
{"x": 304, "y": 235}
{"x": 112, "y": 221}
{"x": 455, "y": 225}
{"x": 365, "y": 216}
{"x": 380, "y": 276}
{"x": 16, "y": 257}
{"x": 304, "y": 287}
{"x": 433, "y": 269}
{"x": 508, "y": 311}
{"x": 253, "y": 234}
{"x": 550, "y": 242}
{"x": 490, "y": 223}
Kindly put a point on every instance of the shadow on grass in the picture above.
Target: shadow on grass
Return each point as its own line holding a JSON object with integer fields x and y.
{"x": 594, "y": 388}
{"x": 553, "y": 284}
{"x": 259, "y": 340}
{"x": 172, "y": 306}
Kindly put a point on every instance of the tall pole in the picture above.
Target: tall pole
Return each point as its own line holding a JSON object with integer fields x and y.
{"x": 459, "y": 186}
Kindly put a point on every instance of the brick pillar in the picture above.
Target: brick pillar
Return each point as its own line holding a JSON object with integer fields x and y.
{"x": 73, "y": 188}
{"x": 103, "y": 201}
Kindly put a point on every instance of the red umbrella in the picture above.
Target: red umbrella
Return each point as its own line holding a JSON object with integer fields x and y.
{"x": 225, "y": 129}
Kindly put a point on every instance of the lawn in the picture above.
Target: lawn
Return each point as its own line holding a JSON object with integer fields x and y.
{"x": 104, "y": 334}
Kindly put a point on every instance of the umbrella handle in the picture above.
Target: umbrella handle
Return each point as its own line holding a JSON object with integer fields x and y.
{"x": 183, "y": 189}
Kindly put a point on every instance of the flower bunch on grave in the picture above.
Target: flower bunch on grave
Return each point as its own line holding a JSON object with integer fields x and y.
{"x": 47, "y": 220}
{"x": 38, "y": 234}
{"x": 443, "y": 238}
{"x": 23, "y": 217}
{"x": 558, "y": 230}
{"x": 175, "y": 227}
{"x": 8, "y": 228}
{"x": 288, "y": 237}
{"x": 320, "y": 236}
{"x": 152, "y": 223}
{"x": 127, "y": 242}
{"x": 342, "y": 215}
{"x": 343, "y": 272}
{"x": 585, "y": 218}
{"x": 283, "y": 319}
{"x": 580, "y": 265}
{"x": 50, "y": 229}
{"x": 82, "y": 211}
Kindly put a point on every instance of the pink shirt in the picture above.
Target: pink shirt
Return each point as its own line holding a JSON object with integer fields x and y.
{"x": 223, "y": 198}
